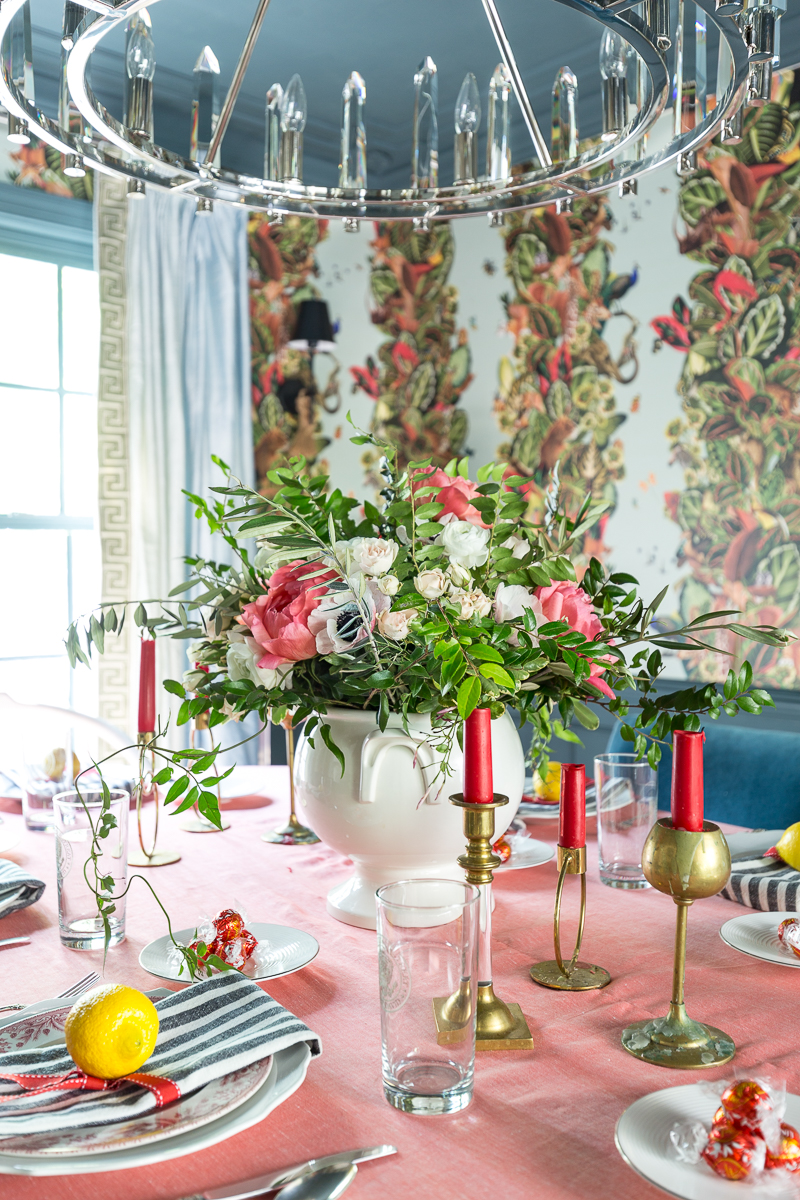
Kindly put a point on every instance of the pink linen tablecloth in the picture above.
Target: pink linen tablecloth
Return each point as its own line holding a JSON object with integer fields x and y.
{"x": 541, "y": 1123}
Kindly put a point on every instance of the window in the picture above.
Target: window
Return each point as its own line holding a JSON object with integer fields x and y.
{"x": 50, "y": 566}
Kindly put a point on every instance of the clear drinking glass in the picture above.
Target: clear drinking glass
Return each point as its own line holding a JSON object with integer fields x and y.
{"x": 427, "y": 952}
{"x": 627, "y": 795}
{"x": 79, "y": 922}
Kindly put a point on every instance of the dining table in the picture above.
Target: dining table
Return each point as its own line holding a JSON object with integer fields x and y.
{"x": 541, "y": 1123}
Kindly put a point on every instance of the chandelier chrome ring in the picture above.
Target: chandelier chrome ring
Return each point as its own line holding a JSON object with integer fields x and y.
{"x": 112, "y": 148}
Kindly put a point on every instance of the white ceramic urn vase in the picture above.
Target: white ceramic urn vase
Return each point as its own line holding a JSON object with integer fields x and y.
{"x": 374, "y": 813}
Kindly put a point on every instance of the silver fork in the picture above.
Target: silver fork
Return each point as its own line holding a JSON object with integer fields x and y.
{"x": 77, "y": 989}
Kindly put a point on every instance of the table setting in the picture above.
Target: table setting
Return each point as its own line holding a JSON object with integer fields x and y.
{"x": 370, "y": 960}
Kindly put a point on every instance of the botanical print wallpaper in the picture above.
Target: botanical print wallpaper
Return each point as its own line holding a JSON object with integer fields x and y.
{"x": 286, "y": 403}
{"x": 738, "y": 438}
{"x": 40, "y": 166}
{"x": 423, "y": 367}
{"x": 556, "y": 402}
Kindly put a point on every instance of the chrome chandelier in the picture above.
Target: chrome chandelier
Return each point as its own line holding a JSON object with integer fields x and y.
{"x": 636, "y": 89}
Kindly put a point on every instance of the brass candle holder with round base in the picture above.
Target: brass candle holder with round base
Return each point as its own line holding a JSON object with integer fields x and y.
{"x": 293, "y": 833}
{"x": 575, "y": 976}
{"x": 143, "y": 857}
{"x": 687, "y": 866}
{"x": 499, "y": 1026}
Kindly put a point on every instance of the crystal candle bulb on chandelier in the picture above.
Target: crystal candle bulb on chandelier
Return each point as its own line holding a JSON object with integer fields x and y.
{"x": 634, "y": 35}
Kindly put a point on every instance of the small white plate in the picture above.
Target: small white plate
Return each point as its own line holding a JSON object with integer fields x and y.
{"x": 642, "y": 1137}
{"x": 529, "y": 810}
{"x": 10, "y": 834}
{"x": 527, "y": 852}
{"x": 290, "y": 948}
{"x": 756, "y": 934}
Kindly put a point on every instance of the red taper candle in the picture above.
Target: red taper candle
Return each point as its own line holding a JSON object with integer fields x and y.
{"x": 147, "y": 687}
{"x": 572, "y": 814}
{"x": 478, "y": 782}
{"x": 687, "y": 780}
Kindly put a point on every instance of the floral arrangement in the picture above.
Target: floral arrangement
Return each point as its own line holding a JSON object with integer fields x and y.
{"x": 738, "y": 437}
{"x": 446, "y": 598}
{"x": 556, "y": 399}
{"x": 424, "y": 365}
{"x": 286, "y": 419}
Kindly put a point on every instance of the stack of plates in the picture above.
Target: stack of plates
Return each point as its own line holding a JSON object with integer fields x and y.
{"x": 211, "y": 1114}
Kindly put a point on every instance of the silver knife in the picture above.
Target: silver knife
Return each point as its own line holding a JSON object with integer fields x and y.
{"x": 268, "y": 1183}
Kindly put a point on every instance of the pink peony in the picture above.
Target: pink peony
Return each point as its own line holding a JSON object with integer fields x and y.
{"x": 454, "y": 493}
{"x": 278, "y": 620}
{"x": 567, "y": 602}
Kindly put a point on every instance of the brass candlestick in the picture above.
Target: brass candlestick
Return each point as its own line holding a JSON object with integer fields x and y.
{"x": 151, "y": 857}
{"x": 293, "y": 833}
{"x": 499, "y": 1026}
{"x": 687, "y": 866}
{"x": 576, "y": 976}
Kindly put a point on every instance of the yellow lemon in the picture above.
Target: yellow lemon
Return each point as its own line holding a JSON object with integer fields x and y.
{"x": 56, "y": 760}
{"x": 789, "y": 846}
{"x": 111, "y": 1031}
{"x": 549, "y": 788}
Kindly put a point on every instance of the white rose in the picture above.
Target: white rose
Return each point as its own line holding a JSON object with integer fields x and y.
{"x": 432, "y": 584}
{"x": 518, "y": 546}
{"x": 460, "y": 577}
{"x": 394, "y": 625}
{"x": 465, "y": 544}
{"x": 389, "y": 585}
{"x": 243, "y": 664}
{"x": 512, "y": 599}
{"x": 371, "y": 556}
{"x": 193, "y": 679}
{"x": 472, "y": 602}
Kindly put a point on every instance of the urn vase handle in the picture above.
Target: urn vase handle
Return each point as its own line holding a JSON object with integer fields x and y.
{"x": 373, "y": 751}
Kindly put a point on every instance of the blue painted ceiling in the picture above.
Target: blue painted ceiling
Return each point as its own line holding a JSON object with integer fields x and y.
{"x": 324, "y": 40}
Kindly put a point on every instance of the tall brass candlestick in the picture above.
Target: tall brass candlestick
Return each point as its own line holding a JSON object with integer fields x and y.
{"x": 293, "y": 833}
{"x": 499, "y": 1026}
{"x": 575, "y": 976}
{"x": 688, "y": 866}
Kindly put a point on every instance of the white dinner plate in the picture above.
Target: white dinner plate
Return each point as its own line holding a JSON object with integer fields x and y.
{"x": 527, "y": 852}
{"x": 642, "y": 1138}
{"x": 290, "y": 949}
{"x": 10, "y": 834}
{"x": 289, "y": 1071}
{"x": 756, "y": 934}
{"x": 531, "y": 811}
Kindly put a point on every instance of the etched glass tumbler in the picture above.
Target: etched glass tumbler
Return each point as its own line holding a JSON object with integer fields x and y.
{"x": 427, "y": 954}
{"x": 627, "y": 796}
{"x": 79, "y": 922}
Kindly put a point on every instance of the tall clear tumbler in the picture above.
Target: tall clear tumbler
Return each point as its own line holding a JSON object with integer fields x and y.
{"x": 427, "y": 950}
{"x": 627, "y": 796}
{"x": 79, "y": 920}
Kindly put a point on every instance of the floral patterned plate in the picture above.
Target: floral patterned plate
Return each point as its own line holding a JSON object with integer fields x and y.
{"x": 210, "y": 1102}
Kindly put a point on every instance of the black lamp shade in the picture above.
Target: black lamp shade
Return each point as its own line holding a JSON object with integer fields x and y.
{"x": 313, "y": 330}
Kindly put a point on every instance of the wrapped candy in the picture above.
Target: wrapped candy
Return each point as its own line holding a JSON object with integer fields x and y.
{"x": 734, "y": 1152}
{"x": 746, "y": 1103}
{"x": 231, "y": 941}
{"x": 502, "y": 849}
{"x": 748, "y": 1134}
{"x": 788, "y": 1153}
{"x": 789, "y": 934}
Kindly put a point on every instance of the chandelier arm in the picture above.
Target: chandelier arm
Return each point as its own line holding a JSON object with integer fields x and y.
{"x": 507, "y": 54}
{"x": 237, "y": 81}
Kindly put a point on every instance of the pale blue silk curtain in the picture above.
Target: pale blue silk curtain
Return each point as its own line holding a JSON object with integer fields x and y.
{"x": 188, "y": 381}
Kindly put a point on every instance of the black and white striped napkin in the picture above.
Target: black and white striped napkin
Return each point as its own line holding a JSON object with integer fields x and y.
{"x": 205, "y": 1031}
{"x": 767, "y": 884}
{"x": 18, "y": 889}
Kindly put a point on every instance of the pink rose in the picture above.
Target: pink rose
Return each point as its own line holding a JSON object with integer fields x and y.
{"x": 454, "y": 493}
{"x": 278, "y": 620}
{"x": 567, "y": 602}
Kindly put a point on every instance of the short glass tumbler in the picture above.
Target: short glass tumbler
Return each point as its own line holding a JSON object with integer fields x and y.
{"x": 427, "y": 951}
{"x": 627, "y": 796}
{"x": 79, "y": 920}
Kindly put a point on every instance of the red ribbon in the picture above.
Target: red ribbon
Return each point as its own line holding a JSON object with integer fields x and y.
{"x": 164, "y": 1090}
